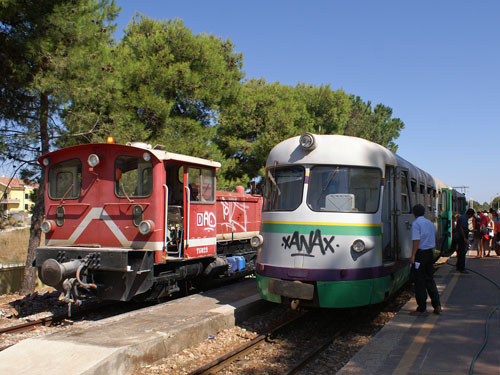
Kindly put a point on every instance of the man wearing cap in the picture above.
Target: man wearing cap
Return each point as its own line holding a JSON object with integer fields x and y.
{"x": 423, "y": 235}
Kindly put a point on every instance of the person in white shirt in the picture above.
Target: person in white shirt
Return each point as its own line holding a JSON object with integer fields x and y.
{"x": 423, "y": 235}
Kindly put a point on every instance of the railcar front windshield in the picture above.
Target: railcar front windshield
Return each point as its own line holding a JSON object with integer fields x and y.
{"x": 283, "y": 189}
{"x": 344, "y": 189}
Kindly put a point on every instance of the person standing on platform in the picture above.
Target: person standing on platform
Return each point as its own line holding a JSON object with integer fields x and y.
{"x": 423, "y": 235}
{"x": 463, "y": 239}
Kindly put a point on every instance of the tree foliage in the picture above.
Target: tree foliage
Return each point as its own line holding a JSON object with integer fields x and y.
{"x": 44, "y": 63}
{"x": 64, "y": 80}
{"x": 267, "y": 113}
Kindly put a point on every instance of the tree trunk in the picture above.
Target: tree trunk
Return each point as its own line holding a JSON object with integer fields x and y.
{"x": 29, "y": 282}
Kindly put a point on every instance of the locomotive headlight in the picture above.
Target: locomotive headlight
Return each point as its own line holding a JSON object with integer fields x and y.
{"x": 46, "y": 161}
{"x": 146, "y": 156}
{"x": 256, "y": 241}
{"x": 307, "y": 141}
{"x": 48, "y": 226}
{"x": 146, "y": 227}
{"x": 358, "y": 246}
{"x": 93, "y": 160}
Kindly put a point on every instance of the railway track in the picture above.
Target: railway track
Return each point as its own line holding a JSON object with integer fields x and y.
{"x": 226, "y": 359}
{"x": 297, "y": 363}
{"x": 52, "y": 320}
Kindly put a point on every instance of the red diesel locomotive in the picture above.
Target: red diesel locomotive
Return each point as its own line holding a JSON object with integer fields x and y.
{"x": 129, "y": 220}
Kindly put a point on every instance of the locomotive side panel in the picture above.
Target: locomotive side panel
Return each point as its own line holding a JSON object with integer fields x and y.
{"x": 238, "y": 215}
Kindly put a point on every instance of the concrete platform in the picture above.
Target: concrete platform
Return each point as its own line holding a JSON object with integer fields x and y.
{"x": 444, "y": 344}
{"x": 118, "y": 345}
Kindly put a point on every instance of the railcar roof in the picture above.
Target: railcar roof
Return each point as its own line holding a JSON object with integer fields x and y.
{"x": 340, "y": 149}
{"x": 344, "y": 150}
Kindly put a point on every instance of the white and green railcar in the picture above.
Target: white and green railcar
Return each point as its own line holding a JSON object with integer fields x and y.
{"x": 337, "y": 219}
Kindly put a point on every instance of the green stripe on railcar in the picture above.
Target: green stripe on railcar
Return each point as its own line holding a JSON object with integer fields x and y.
{"x": 339, "y": 294}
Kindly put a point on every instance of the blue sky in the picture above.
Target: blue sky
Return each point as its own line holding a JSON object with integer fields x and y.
{"x": 435, "y": 63}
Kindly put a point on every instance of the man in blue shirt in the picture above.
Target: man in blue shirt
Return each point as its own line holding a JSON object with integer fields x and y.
{"x": 423, "y": 235}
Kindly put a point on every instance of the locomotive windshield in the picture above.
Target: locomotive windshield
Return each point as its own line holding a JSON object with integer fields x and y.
{"x": 344, "y": 189}
{"x": 65, "y": 179}
{"x": 133, "y": 177}
{"x": 284, "y": 187}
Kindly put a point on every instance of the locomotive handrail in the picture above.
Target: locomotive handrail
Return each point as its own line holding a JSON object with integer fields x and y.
{"x": 70, "y": 204}
{"x": 188, "y": 201}
{"x": 166, "y": 218}
{"x": 124, "y": 203}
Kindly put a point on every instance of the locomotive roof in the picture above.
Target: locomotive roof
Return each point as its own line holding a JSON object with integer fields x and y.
{"x": 344, "y": 150}
{"x": 160, "y": 154}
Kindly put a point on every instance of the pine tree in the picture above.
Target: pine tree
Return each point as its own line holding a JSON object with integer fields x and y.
{"x": 48, "y": 54}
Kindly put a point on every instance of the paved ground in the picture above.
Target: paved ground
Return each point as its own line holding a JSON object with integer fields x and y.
{"x": 464, "y": 339}
{"x": 119, "y": 344}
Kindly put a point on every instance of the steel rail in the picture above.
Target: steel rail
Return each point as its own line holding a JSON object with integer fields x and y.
{"x": 321, "y": 347}
{"x": 226, "y": 359}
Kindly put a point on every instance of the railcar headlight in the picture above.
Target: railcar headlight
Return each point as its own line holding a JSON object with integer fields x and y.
{"x": 146, "y": 227}
{"x": 146, "y": 156}
{"x": 48, "y": 226}
{"x": 358, "y": 246}
{"x": 93, "y": 160}
{"x": 46, "y": 161}
{"x": 307, "y": 141}
{"x": 256, "y": 241}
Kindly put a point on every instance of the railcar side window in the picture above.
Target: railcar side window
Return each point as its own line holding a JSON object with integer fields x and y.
{"x": 283, "y": 190}
{"x": 414, "y": 193}
{"x": 133, "y": 177}
{"x": 433, "y": 194}
{"x": 421, "y": 197}
{"x": 344, "y": 189}
{"x": 429, "y": 198}
{"x": 405, "y": 198}
{"x": 65, "y": 179}
{"x": 444, "y": 199}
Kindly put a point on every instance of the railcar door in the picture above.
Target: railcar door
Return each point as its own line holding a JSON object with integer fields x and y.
{"x": 405, "y": 216}
{"x": 444, "y": 221}
{"x": 389, "y": 217}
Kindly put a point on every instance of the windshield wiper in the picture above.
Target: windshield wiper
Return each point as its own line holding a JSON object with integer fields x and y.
{"x": 328, "y": 184}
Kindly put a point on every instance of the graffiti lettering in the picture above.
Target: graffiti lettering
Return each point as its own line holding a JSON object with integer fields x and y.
{"x": 234, "y": 216}
{"x": 206, "y": 219}
{"x": 307, "y": 244}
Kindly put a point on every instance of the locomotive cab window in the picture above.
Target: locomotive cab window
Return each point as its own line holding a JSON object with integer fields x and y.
{"x": 133, "y": 177}
{"x": 283, "y": 189}
{"x": 344, "y": 189}
{"x": 65, "y": 179}
{"x": 201, "y": 183}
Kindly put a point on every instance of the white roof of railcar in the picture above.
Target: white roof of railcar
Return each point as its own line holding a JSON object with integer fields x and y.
{"x": 344, "y": 150}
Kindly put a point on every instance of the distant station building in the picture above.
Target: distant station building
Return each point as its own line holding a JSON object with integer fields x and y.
{"x": 18, "y": 194}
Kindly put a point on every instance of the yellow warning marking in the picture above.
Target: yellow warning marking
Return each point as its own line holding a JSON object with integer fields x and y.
{"x": 411, "y": 354}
